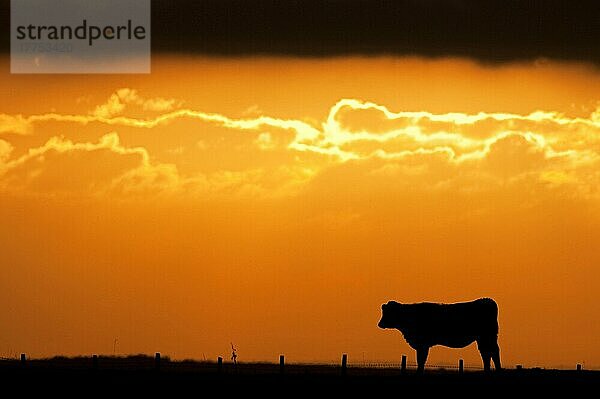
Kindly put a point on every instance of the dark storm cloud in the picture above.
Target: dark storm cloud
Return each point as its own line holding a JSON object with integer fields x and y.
{"x": 490, "y": 31}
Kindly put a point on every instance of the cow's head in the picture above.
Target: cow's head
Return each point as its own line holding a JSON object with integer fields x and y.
{"x": 390, "y": 315}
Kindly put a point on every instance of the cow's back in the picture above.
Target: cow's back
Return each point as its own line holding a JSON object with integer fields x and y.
{"x": 454, "y": 325}
{"x": 479, "y": 316}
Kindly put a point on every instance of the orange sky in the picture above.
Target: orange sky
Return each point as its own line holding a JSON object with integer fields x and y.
{"x": 276, "y": 203}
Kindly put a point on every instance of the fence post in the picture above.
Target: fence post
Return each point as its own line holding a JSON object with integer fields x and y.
{"x": 95, "y": 362}
{"x": 578, "y": 366}
{"x": 157, "y": 360}
{"x": 461, "y": 366}
{"x": 23, "y": 359}
{"x": 344, "y": 363}
{"x": 403, "y": 365}
{"x": 281, "y": 364}
{"x": 219, "y": 364}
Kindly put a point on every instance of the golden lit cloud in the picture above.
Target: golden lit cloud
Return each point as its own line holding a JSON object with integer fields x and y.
{"x": 555, "y": 148}
{"x": 113, "y": 106}
{"x": 64, "y": 165}
{"x": 117, "y": 102}
{"x": 15, "y": 124}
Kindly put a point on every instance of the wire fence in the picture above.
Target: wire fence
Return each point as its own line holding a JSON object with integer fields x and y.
{"x": 145, "y": 362}
{"x": 411, "y": 365}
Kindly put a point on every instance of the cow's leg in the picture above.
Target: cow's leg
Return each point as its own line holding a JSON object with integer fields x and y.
{"x": 496, "y": 356}
{"x": 485, "y": 350}
{"x": 486, "y": 361}
{"x": 422, "y": 353}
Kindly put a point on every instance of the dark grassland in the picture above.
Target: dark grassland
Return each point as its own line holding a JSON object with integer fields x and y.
{"x": 138, "y": 375}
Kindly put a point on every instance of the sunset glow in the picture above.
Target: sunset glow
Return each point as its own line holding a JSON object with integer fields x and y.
{"x": 278, "y": 202}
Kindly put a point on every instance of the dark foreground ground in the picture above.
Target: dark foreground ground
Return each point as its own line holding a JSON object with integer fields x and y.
{"x": 137, "y": 377}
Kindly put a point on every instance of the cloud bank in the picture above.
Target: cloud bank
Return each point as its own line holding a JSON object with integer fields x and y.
{"x": 490, "y": 31}
{"x": 280, "y": 157}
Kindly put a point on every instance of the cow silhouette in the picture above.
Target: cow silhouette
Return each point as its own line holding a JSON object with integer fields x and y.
{"x": 453, "y": 325}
